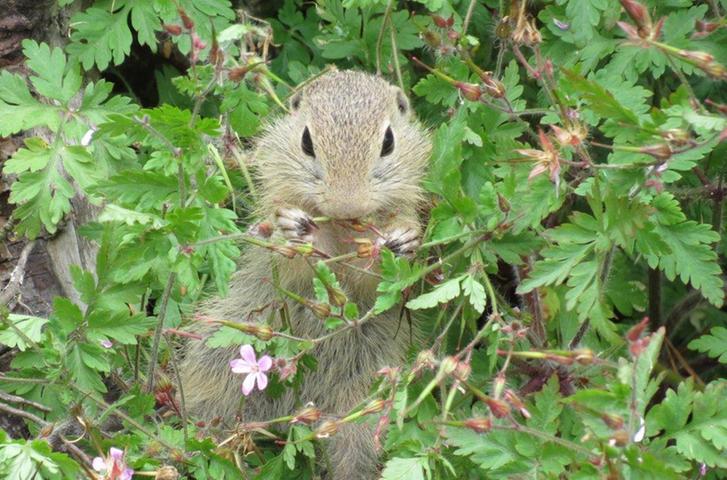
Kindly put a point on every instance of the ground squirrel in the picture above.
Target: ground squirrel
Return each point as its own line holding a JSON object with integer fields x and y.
{"x": 350, "y": 148}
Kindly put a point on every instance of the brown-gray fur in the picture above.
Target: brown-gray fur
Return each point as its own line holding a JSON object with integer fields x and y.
{"x": 347, "y": 114}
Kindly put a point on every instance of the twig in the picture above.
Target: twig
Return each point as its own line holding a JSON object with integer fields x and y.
{"x": 655, "y": 296}
{"x": 380, "y": 38}
{"x": 395, "y": 58}
{"x": 468, "y": 17}
{"x": 17, "y": 275}
{"x": 158, "y": 332}
{"x": 178, "y": 377}
{"x": 6, "y": 397}
{"x": 77, "y": 452}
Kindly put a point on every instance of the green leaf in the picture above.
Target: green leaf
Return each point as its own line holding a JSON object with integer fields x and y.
{"x": 600, "y": 100}
{"x": 100, "y": 37}
{"x": 442, "y": 293}
{"x": 405, "y": 469}
{"x": 19, "y": 110}
{"x": 691, "y": 258}
{"x": 475, "y": 292}
{"x": 31, "y": 327}
{"x": 714, "y": 344}
{"x": 54, "y": 78}
{"x": 119, "y": 327}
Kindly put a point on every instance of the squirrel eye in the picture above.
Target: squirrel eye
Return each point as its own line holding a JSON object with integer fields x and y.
{"x": 306, "y": 143}
{"x": 388, "y": 145}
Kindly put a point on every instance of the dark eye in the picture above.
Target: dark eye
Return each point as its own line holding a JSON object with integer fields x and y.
{"x": 306, "y": 143}
{"x": 388, "y": 145}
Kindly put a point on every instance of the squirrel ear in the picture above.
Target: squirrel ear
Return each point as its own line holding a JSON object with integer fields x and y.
{"x": 402, "y": 102}
{"x": 295, "y": 101}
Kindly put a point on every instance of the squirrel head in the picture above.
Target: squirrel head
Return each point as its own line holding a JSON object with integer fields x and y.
{"x": 349, "y": 148}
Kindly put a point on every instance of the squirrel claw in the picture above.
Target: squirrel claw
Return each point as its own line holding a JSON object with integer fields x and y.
{"x": 402, "y": 241}
{"x": 295, "y": 224}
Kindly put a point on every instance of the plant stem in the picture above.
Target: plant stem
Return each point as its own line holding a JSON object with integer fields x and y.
{"x": 380, "y": 37}
{"x": 158, "y": 332}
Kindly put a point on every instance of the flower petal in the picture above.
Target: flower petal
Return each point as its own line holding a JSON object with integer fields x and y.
{"x": 262, "y": 380}
{"x": 265, "y": 363}
{"x": 126, "y": 474}
{"x": 239, "y": 365}
{"x": 248, "y": 353}
{"x": 248, "y": 384}
{"x": 116, "y": 454}
{"x": 99, "y": 464}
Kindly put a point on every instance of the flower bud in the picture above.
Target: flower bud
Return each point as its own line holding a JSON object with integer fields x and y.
{"x": 638, "y": 13}
{"x": 433, "y": 39}
{"x": 498, "y": 408}
{"x": 620, "y": 438}
{"x": 470, "y": 91}
{"x": 512, "y": 398}
{"x": 584, "y": 356}
{"x": 186, "y": 21}
{"x": 364, "y": 247}
{"x": 307, "y": 416}
{"x": 613, "y": 421}
{"x": 635, "y": 332}
{"x": 326, "y": 429}
{"x": 166, "y": 472}
{"x": 462, "y": 371}
{"x": 375, "y": 406}
{"x": 321, "y": 310}
{"x": 449, "y": 364}
{"x": 425, "y": 359}
{"x": 494, "y": 88}
{"x": 263, "y": 332}
{"x": 498, "y": 384}
{"x": 173, "y": 29}
{"x": 660, "y": 151}
{"x": 238, "y": 73}
{"x": 283, "y": 250}
{"x": 676, "y": 136}
{"x": 479, "y": 425}
{"x": 439, "y": 21}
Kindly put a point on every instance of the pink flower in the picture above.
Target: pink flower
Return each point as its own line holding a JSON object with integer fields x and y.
{"x": 254, "y": 368}
{"x": 107, "y": 343}
{"x": 113, "y": 467}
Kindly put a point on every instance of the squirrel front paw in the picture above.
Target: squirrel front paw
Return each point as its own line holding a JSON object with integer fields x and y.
{"x": 402, "y": 241}
{"x": 295, "y": 224}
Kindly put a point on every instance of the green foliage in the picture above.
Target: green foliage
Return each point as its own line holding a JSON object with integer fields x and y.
{"x": 576, "y": 181}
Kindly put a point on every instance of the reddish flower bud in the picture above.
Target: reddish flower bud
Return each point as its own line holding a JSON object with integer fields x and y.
{"x": 479, "y": 425}
{"x": 439, "y": 21}
{"x": 512, "y": 398}
{"x": 635, "y": 332}
{"x": 638, "y": 13}
{"x": 498, "y": 408}
{"x": 453, "y": 35}
{"x": 470, "y": 91}
{"x": 613, "y": 421}
{"x": 186, "y": 21}
{"x": 173, "y": 29}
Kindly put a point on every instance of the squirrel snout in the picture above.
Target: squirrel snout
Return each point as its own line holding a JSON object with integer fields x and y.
{"x": 346, "y": 206}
